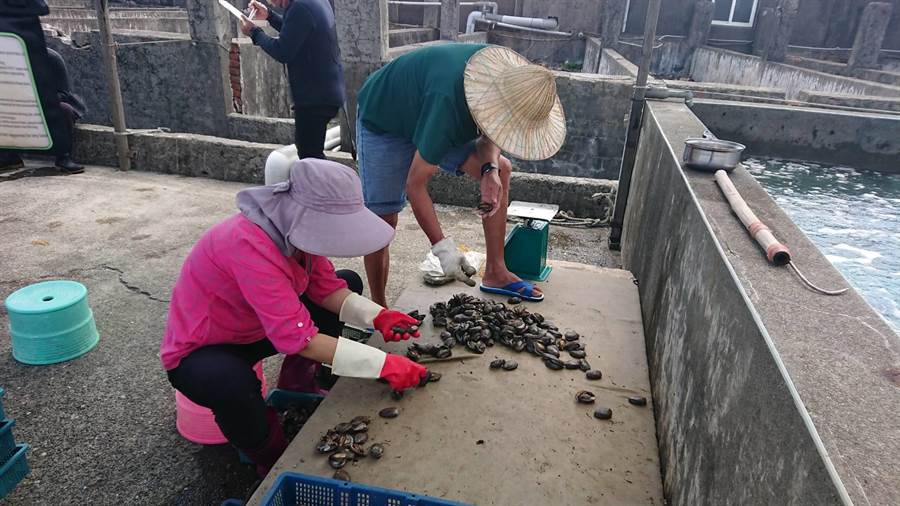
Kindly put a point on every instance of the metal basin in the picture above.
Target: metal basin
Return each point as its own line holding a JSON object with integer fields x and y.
{"x": 712, "y": 154}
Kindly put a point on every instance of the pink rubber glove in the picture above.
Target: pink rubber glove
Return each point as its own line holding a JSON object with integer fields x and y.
{"x": 401, "y": 373}
{"x": 387, "y": 319}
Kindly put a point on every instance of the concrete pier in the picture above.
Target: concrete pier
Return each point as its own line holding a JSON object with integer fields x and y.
{"x": 531, "y": 443}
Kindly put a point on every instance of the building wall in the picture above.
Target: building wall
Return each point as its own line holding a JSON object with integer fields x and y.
{"x": 574, "y": 15}
{"x": 820, "y": 23}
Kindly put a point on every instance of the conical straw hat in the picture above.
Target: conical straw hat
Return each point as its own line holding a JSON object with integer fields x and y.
{"x": 514, "y": 103}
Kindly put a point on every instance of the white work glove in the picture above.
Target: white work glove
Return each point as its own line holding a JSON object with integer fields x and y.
{"x": 359, "y": 311}
{"x": 453, "y": 262}
{"x": 357, "y": 360}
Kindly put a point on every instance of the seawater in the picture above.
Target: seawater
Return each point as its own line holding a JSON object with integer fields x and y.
{"x": 852, "y": 216}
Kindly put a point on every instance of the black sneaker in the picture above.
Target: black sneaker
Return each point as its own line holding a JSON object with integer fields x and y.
{"x": 10, "y": 161}
{"x": 66, "y": 164}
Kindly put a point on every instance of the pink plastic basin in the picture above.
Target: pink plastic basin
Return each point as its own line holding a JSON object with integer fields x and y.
{"x": 198, "y": 424}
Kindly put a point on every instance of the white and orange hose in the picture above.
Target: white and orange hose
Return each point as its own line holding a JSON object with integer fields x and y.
{"x": 776, "y": 252}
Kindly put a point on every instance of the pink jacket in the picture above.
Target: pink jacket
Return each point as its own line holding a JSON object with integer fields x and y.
{"x": 236, "y": 287}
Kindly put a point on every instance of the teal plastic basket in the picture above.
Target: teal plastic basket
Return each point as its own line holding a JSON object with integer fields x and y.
{"x": 13, "y": 470}
{"x": 2, "y": 412}
{"x": 50, "y": 322}
{"x": 7, "y": 442}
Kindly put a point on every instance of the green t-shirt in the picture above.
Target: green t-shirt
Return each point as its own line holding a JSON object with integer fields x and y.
{"x": 420, "y": 97}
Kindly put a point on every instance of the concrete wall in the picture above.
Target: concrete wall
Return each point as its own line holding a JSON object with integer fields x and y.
{"x": 592, "y": 53}
{"x": 574, "y": 15}
{"x": 159, "y": 81}
{"x": 842, "y": 69}
{"x": 235, "y": 160}
{"x": 596, "y": 108}
{"x": 614, "y": 64}
{"x": 721, "y": 66}
{"x": 758, "y": 394}
{"x": 264, "y": 85}
{"x": 855, "y": 139}
{"x": 825, "y": 99}
{"x": 553, "y": 51}
{"x": 69, "y": 20}
{"x": 669, "y": 56}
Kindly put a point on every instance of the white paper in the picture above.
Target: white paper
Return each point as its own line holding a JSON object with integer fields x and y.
{"x": 232, "y": 9}
{"x": 22, "y": 123}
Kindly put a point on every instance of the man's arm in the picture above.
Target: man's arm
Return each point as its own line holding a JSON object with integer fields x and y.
{"x": 275, "y": 20}
{"x": 420, "y": 172}
{"x": 294, "y": 30}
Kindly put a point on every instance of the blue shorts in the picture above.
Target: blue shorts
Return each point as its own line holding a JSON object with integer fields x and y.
{"x": 384, "y": 161}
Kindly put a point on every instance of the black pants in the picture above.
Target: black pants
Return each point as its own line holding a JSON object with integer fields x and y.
{"x": 221, "y": 378}
{"x": 310, "y": 124}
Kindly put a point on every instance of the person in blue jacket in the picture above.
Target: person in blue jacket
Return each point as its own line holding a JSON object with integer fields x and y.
{"x": 307, "y": 45}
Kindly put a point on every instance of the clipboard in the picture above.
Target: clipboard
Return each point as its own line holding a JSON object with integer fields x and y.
{"x": 232, "y": 9}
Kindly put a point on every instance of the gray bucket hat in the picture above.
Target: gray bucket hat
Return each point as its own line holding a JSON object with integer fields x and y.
{"x": 318, "y": 210}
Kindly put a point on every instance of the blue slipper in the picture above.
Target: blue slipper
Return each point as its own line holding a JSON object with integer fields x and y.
{"x": 513, "y": 290}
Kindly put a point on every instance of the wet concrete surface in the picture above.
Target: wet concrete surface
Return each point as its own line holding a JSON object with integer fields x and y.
{"x": 102, "y": 427}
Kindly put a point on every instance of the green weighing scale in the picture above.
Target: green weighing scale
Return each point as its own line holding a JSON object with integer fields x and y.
{"x": 525, "y": 250}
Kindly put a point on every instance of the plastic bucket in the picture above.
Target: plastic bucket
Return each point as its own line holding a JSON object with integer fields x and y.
{"x": 197, "y": 423}
{"x": 50, "y": 322}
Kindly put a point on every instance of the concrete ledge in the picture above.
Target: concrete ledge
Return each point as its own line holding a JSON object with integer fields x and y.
{"x": 861, "y": 140}
{"x": 278, "y": 131}
{"x": 842, "y": 69}
{"x": 760, "y": 397}
{"x": 403, "y": 36}
{"x": 587, "y": 198}
{"x": 861, "y": 102}
{"x": 243, "y": 161}
{"x": 722, "y": 66}
{"x": 733, "y": 92}
{"x": 184, "y": 154}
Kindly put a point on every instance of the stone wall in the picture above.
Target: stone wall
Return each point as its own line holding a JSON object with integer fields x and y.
{"x": 722, "y": 66}
{"x": 854, "y": 139}
{"x": 758, "y": 397}
{"x": 596, "y": 109}
{"x": 555, "y": 51}
{"x": 159, "y": 81}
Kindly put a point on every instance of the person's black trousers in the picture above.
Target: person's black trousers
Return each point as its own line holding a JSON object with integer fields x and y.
{"x": 310, "y": 124}
{"x": 221, "y": 378}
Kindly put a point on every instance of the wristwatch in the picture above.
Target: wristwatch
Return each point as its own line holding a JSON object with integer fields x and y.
{"x": 487, "y": 168}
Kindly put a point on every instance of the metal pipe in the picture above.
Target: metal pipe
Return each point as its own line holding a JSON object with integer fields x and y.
{"x": 664, "y": 93}
{"x": 492, "y": 5}
{"x": 523, "y": 28}
{"x": 634, "y": 126}
{"x": 541, "y": 23}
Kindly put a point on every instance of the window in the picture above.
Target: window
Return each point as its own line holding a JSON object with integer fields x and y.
{"x": 734, "y": 12}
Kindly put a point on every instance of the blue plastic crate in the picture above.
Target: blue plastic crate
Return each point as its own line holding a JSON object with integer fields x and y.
{"x": 14, "y": 470}
{"x": 284, "y": 399}
{"x": 7, "y": 443}
{"x": 295, "y": 489}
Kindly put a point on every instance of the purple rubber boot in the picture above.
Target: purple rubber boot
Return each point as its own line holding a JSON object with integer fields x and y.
{"x": 265, "y": 455}
{"x": 298, "y": 374}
